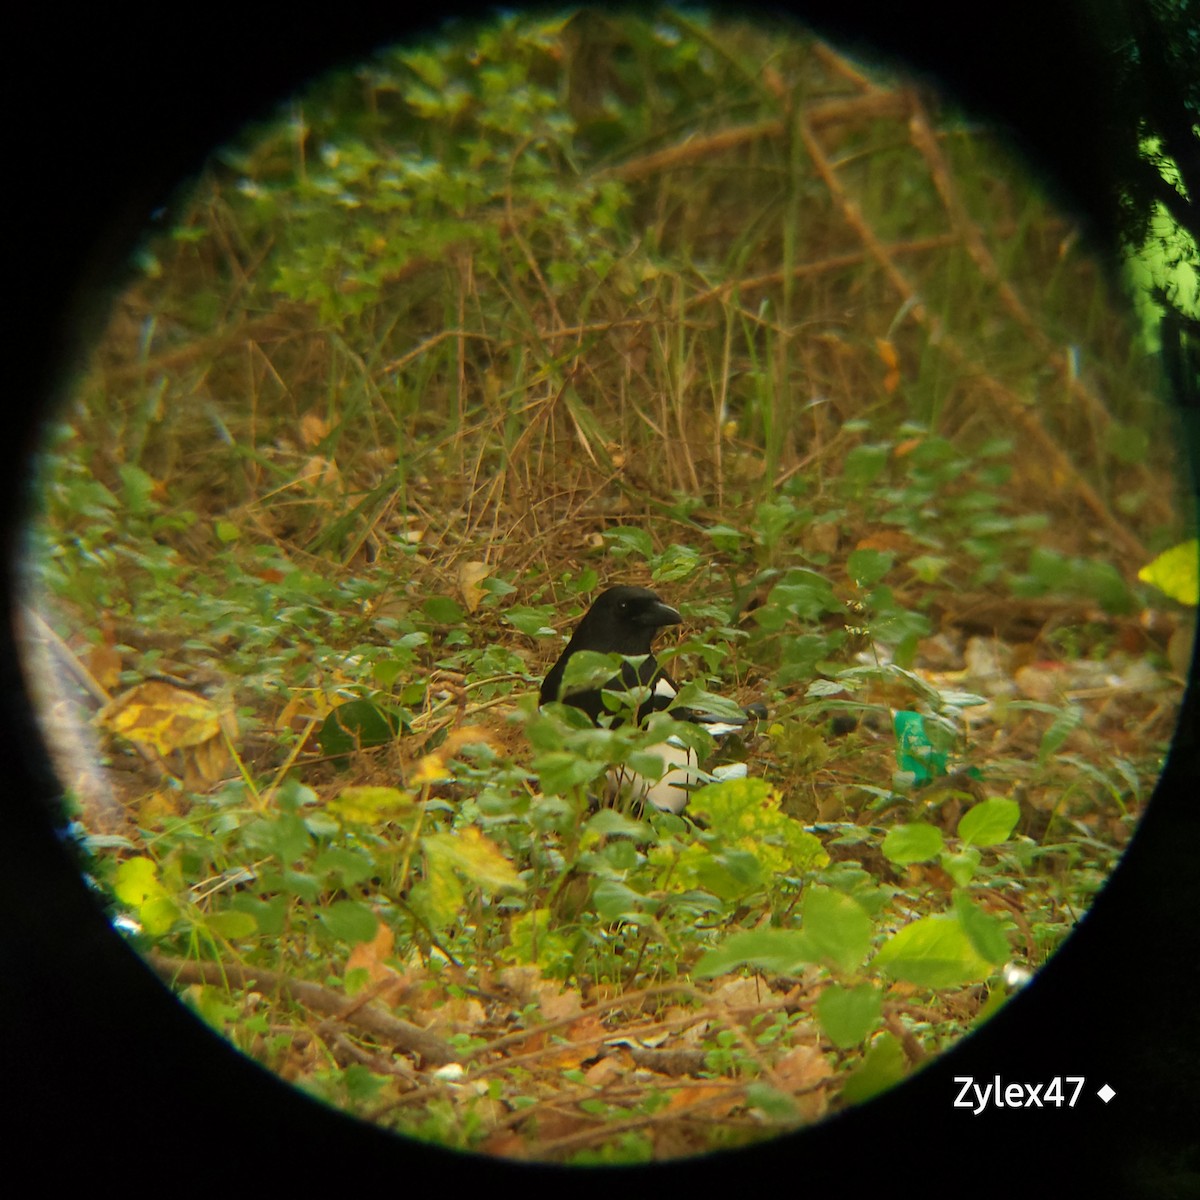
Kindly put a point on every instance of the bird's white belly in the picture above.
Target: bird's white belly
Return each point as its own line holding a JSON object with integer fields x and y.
{"x": 681, "y": 774}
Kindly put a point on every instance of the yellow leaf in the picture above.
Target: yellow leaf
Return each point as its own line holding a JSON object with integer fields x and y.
{"x": 162, "y": 717}
{"x": 441, "y": 895}
{"x": 1175, "y": 572}
{"x": 366, "y": 805}
{"x": 467, "y": 735}
{"x": 475, "y": 856}
{"x": 137, "y": 881}
{"x": 430, "y": 769}
{"x": 138, "y": 885}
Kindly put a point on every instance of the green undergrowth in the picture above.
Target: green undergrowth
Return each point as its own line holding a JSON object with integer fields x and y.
{"x": 480, "y": 328}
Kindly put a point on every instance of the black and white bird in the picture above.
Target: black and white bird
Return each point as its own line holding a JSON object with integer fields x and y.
{"x": 624, "y": 620}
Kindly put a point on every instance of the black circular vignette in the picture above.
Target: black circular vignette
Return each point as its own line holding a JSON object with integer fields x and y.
{"x": 104, "y": 1069}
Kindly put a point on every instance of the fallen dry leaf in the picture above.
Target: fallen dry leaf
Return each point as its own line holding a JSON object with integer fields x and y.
{"x": 318, "y": 471}
{"x": 801, "y": 1069}
{"x": 470, "y": 578}
{"x": 607, "y": 1070}
{"x": 104, "y": 663}
{"x": 162, "y": 717}
{"x": 369, "y": 956}
{"x": 314, "y": 429}
{"x": 205, "y": 764}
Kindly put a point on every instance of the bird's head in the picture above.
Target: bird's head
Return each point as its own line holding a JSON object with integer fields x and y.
{"x": 623, "y": 620}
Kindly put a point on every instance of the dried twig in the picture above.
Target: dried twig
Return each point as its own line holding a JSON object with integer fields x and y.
{"x": 371, "y": 1019}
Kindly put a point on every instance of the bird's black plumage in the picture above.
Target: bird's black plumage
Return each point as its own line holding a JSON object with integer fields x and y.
{"x": 624, "y": 620}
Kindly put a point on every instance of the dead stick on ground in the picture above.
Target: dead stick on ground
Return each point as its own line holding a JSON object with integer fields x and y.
{"x": 401, "y": 1034}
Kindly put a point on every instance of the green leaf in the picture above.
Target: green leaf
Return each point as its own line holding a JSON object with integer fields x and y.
{"x": 864, "y": 464}
{"x": 928, "y": 568}
{"x": 777, "y": 951}
{"x": 138, "y": 488}
{"x": 362, "y": 1086}
{"x": 1101, "y": 581}
{"x": 349, "y": 866}
{"x": 588, "y": 669}
{"x": 882, "y": 1068}
{"x": 918, "y": 842}
{"x": 531, "y": 620}
{"x": 560, "y": 771}
{"x": 626, "y": 539}
{"x": 961, "y": 867}
{"x": 837, "y": 927}
{"x": 356, "y": 725}
{"x": 349, "y": 921}
{"x": 647, "y": 764}
{"x": 747, "y": 813}
{"x": 493, "y": 585}
{"x": 824, "y": 687}
{"x": 386, "y": 671}
{"x": 1127, "y": 443}
{"x": 800, "y": 593}
{"x": 443, "y": 610}
{"x": 933, "y": 952}
{"x": 1104, "y": 583}
{"x": 732, "y": 874}
{"x": 985, "y": 932}
{"x": 621, "y": 854}
{"x": 300, "y": 883}
{"x": 586, "y": 581}
{"x": 675, "y": 562}
{"x": 1050, "y": 569}
{"x": 616, "y": 901}
{"x": 867, "y": 567}
{"x": 1064, "y": 724}
{"x": 293, "y": 795}
{"x": 232, "y": 924}
{"x": 211, "y": 1004}
{"x": 270, "y": 916}
{"x": 692, "y": 695}
{"x": 283, "y": 835}
{"x": 725, "y": 537}
{"x": 608, "y": 822}
{"x": 990, "y": 822}
{"x": 774, "y": 1104}
{"x": 849, "y": 1015}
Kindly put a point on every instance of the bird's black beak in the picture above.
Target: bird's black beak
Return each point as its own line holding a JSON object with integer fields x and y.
{"x": 658, "y": 614}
